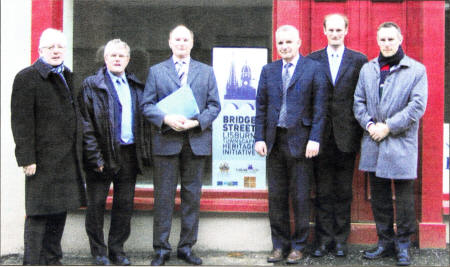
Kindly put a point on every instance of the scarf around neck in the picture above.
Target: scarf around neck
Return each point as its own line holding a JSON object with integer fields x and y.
{"x": 392, "y": 60}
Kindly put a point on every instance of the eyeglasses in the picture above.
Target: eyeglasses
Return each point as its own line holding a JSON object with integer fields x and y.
{"x": 53, "y": 47}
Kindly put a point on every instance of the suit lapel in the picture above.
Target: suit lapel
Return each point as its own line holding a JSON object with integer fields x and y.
{"x": 345, "y": 63}
{"x": 277, "y": 72}
{"x": 298, "y": 72}
{"x": 192, "y": 72}
{"x": 171, "y": 71}
{"x": 325, "y": 62}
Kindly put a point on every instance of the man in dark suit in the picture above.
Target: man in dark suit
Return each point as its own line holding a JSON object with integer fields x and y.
{"x": 47, "y": 130}
{"x": 290, "y": 118}
{"x": 180, "y": 145}
{"x": 113, "y": 143}
{"x": 334, "y": 166}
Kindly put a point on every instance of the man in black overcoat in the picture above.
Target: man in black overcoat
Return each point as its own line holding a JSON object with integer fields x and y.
{"x": 47, "y": 131}
{"x": 113, "y": 146}
{"x": 334, "y": 166}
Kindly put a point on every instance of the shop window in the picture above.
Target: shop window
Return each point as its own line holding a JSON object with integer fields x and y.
{"x": 145, "y": 26}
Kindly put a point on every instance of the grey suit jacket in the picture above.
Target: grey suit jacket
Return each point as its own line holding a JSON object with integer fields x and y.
{"x": 162, "y": 81}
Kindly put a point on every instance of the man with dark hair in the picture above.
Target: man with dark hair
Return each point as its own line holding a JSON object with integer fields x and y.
{"x": 113, "y": 145}
{"x": 290, "y": 118}
{"x": 390, "y": 99}
{"x": 180, "y": 145}
{"x": 333, "y": 167}
{"x": 47, "y": 129}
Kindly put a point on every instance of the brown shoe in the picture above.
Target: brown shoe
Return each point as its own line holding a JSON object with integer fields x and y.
{"x": 294, "y": 256}
{"x": 276, "y": 255}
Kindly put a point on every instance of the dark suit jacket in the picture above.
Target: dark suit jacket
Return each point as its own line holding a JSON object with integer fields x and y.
{"x": 306, "y": 104}
{"x": 162, "y": 81}
{"x": 346, "y": 131}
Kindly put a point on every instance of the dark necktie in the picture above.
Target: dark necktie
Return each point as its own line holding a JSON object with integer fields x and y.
{"x": 286, "y": 77}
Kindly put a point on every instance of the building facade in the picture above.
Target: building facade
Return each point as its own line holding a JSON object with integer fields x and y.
{"x": 144, "y": 25}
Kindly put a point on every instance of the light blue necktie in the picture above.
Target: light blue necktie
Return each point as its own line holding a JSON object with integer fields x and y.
{"x": 334, "y": 66}
{"x": 123, "y": 92}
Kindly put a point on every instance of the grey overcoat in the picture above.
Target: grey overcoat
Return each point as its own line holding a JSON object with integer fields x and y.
{"x": 401, "y": 106}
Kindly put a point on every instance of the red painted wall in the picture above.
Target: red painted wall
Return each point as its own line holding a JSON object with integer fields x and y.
{"x": 422, "y": 23}
{"x": 45, "y": 14}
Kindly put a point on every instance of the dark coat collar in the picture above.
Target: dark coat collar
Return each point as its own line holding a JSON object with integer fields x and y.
{"x": 45, "y": 69}
{"x": 100, "y": 78}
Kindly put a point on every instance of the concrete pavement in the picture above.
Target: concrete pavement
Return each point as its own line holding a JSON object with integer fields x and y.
{"x": 424, "y": 257}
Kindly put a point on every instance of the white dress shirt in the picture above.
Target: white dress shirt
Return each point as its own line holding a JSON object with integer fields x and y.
{"x": 334, "y": 60}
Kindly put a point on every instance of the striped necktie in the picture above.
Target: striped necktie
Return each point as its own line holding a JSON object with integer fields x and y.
{"x": 286, "y": 77}
{"x": 181, "y": 71}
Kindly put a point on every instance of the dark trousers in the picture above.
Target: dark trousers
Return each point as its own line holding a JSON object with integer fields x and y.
{"x": 167, "y": 169}
{"x": 383, "y": 210}
{"x": 42, "y": 238}
{"x": 288, "y": 177}
{"x": 97, "y": 187}
{"x": 333, "y": 179}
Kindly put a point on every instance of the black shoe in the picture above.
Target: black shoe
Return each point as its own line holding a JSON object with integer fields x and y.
{"x": 340, "y": 250}
{"x": 276, "y": 255}
{"x": 159, "y": 259}
{"x": 101, "y": 260}
{"x": 320, "y": 251}
{"x": 379, "y": 252}
{"x": 403, "y": 258}
{"x": 190, "y": 258}
{"x": 120, "y": 260}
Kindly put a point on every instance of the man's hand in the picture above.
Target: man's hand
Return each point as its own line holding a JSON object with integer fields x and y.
{"x": 175, "y": 122}
{"x": 312, "y": 149}
{"x": 261, "y": 148}
{"x": 99, "y": 169}
{"x": 30, "y": 169}
{"x": 188, "y": 124}
{"x": 378, "y": 131}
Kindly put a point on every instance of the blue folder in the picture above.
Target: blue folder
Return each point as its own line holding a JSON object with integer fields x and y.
{"x": 181, "y": 102}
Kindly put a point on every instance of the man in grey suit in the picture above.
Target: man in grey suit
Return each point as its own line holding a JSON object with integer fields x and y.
{"x": 390, "y": 99}
{"x": 180, "y": 145}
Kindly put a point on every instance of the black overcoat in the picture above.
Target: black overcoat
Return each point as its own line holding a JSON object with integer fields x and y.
{"x": 47, "y": 131}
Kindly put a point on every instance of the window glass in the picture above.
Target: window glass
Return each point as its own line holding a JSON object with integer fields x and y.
{"x": 145, "y": 26}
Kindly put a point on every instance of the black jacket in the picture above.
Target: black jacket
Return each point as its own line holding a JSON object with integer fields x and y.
{"x": 340, "y": 119}
{"x": 47, "y": 128}
{"x": 100, "y": 145}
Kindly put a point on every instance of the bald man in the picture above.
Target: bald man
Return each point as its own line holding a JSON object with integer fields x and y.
{"x": 180, "y": 145}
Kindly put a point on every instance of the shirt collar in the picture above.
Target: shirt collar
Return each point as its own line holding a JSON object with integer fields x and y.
{"x": 187, "y": 60}
{"x": 294, "y": 61}
{"x": 115, "y": 78}
{"x": 339, "y": 51}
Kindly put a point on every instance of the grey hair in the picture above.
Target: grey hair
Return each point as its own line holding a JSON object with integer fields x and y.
{"x": 50, "y": 35}
{"x": 115, "y": 42}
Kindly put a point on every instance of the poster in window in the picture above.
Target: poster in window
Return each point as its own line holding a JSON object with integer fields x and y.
{"x": 235, "y": 163}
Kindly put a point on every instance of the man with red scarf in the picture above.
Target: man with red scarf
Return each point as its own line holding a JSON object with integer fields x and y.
{"x": 390, "y": 99}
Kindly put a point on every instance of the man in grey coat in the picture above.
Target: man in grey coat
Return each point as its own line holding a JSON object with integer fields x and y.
{"x": 180, "y": 145}
{"x": 390, "y": 99}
